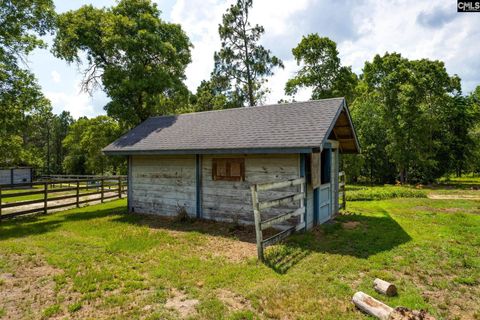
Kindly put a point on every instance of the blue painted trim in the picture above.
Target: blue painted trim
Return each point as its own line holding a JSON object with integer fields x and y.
{"x": 303, "y": 173}
{"x": 198, "y": 185}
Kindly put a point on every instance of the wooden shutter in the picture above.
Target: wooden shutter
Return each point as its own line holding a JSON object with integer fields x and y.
{"x": 228, "y": 169}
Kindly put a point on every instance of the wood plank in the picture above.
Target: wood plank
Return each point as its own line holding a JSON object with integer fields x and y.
{"x": 282, "y": 218}
{"x": 21, "y": 203}
{"x": 70, "y": 196}
{"x": 20, "y": 213}
{"x": 280, "y": 201}
{"x": 280, "y": 184}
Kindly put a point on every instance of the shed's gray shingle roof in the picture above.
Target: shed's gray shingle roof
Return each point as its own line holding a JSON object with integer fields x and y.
{"x": 291, "y": 125}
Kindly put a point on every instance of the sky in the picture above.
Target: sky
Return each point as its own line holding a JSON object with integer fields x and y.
{"x": 361, "y": 29}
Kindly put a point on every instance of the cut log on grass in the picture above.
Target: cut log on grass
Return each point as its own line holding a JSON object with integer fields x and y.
{"x": 384, "y": 287}
{"x": 371, "y": 306}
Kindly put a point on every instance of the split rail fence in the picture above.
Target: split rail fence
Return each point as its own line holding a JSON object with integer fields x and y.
{"x": 258, "y": 206}
{"x": 50, "y": 194}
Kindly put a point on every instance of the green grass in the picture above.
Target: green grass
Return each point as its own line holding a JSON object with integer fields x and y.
{"x": 104, "y": 264}
{"x": 365, "y": 193}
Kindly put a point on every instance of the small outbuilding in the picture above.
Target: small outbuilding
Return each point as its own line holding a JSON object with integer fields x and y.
{"x": 206, "y": 163}
{"x": 15, "y": 176}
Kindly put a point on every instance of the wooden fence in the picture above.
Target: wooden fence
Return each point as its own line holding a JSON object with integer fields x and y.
{"x": 258, "y": 206}
{"x": 76, "y": 189}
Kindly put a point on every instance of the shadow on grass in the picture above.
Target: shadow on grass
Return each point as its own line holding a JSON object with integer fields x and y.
{"x": 350, "y": 234}
{"x": 244, "y": 233}
{"x": 40, "y": 224}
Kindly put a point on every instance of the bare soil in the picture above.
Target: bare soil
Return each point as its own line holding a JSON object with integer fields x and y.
{"x": 179, "y": 302}
{"x": 350, "y": 225}
{"x": 233, "y": 301}
{"x": 453, "y": 196}
{"x": 25, "y": 292}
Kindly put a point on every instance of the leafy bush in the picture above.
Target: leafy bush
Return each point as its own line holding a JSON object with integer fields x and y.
{"x": 365, "y": 193}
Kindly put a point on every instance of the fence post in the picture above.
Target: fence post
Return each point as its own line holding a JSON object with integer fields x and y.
{"x": 257, "y": 218}
{"x": 101, "y": 186}
{"x": 0, "y": 200}
{"x": 119, "y": 188}
{"x": 45, "y": 197}
{"x": 78, "y": 193}
{"x": 344, "y": 191}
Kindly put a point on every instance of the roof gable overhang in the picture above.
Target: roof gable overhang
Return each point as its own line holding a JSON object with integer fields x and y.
{"x": 342, "y": 130}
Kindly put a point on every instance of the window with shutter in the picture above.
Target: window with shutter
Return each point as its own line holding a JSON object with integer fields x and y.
{"x": 228, "y": 169}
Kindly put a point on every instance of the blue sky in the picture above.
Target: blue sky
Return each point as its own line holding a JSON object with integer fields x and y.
{"x": 361, "y": 28}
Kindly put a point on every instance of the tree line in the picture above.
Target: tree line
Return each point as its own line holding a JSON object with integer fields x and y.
{"x": 413, "y": 121}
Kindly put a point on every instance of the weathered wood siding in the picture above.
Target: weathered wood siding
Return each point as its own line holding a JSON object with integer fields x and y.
{"x": 162, "y": 184}
{"x": 231, "y": 201}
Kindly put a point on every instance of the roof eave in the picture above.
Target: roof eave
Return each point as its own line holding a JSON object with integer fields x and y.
{"x": 276, "y": 150}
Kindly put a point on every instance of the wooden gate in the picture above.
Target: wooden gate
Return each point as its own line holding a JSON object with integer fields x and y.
{"x": 259, "y": 206}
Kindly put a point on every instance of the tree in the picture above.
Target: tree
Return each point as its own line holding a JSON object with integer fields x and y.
{"x": 84, "y": 143}
{"x": 57, "y": 131}
{"x": 367, "y": 114}
{"x": 210, "y": 97}
{"x": 473, "y": 159}
{"x": 21, "y": 100}
{"x": 242, "y": 62}
{"x": 23, "y": 21}
{"x": 138, "y": 58}
{"x": 21, "y": 105}
{"x": 321, "y": 70}
{"x": 415, "y": 100}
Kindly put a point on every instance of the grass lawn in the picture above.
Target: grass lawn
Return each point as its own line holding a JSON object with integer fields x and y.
{"x": 99, "y": 262}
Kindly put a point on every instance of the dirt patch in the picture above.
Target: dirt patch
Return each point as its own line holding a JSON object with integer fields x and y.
{"x": 453, "y": 196}
{"x": 27, "y": 290}
{"x": 180, "y": 303}
{"x": 230, "y": 249}
{"x": 350, "y": 225}
{"x": 401, "y": 313}
{"x": 231, "y": 241}
{"x": 233, "y": 301}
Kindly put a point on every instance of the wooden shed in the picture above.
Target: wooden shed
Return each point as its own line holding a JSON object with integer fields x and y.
{"x": 210, "y": 162}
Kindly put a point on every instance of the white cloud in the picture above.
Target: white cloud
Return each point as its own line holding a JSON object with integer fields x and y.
{"x": 417, "y": 30}
{"x": 56, "y": 78}
{"x": 78, "y": 103}
{"x": 200, "y": 20}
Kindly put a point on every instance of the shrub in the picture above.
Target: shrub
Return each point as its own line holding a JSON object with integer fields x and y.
{"x": 383, "y": 192}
